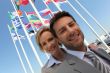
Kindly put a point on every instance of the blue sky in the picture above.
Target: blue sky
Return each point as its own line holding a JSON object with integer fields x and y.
{"x": 9, "y": 61}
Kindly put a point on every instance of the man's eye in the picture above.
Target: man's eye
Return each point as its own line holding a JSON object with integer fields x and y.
{"x": 71, "y": 24}
{"x": 62, "y": 31}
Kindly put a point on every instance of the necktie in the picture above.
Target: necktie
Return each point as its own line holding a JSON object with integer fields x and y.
{"x": 97, "y": 63}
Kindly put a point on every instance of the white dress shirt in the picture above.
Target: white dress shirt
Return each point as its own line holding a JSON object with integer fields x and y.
{"x": 81, "y": 56}
{"x": 52, "y": 61}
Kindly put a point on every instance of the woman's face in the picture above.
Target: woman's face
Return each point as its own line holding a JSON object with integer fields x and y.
{"x": 49, "y": 43}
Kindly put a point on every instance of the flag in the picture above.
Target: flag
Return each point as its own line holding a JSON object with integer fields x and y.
{"x": 27, "y": 25}
{"x": 24, "y": 2}
{"x": 17, "y": 5}
{"x": 13, "y": 14}
{"x": 48, "y": 1}
{"x": 45, "y": 12}
{"x": 30, "y": 13}
{"x": 59, "y": 2}
{"x": 31, "y": 33}
{"x": 17, "y": 23}
{"x": 33, "y": 19}
{"x": 46, "y": 21}
{"x": 15, "y": 37}
{"x": 11, "y": 27}
{"x": 32, "y": 16}
{"x": 37, "y": 24}
{"x": 56, "y": 1}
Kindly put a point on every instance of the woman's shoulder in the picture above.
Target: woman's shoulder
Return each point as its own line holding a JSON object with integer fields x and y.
{"x": 44, "y": 68}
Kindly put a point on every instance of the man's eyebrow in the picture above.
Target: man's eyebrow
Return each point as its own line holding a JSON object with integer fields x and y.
{"x": 60, "y": 29}
{"x": 70, "y": 22}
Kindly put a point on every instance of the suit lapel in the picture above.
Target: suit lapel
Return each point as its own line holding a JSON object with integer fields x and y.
{"x": 102, "y": 53}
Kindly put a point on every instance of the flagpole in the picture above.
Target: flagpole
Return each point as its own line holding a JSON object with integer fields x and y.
{"x": 92, "y": 17}
{"x": 88, "y": 24}
{"x": 30, "y": 42}
{"x": 35, "y": 34}
{"x": 19, "y": 56}
{"x": 23, "y": 49}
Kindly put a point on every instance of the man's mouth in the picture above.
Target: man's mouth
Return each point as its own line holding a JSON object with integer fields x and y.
{"x": 73, "y": 37}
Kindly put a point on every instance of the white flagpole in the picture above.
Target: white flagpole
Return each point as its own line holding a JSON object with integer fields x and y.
{"x": 19, "y": 56}
{"x": 30, "y": 42}
{"x": 23, "y": 49}
{"x": 92, "y": 17}
{"x": 35, "y": 34}
{"x": 88, "y": 24}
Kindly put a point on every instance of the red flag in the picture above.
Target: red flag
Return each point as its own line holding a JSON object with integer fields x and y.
{"x": 46, "y": 21}
{"x": 59, "y": 0}
{"x": 56, "y": 0}
{"x": 48, "y": 1}
{"x": 28, "y": 25}
{"x": 45, "y": 12}
{"x": 30, "y": 13}
{"x": 24, "y": 2}
{"x": 37, "y": 25}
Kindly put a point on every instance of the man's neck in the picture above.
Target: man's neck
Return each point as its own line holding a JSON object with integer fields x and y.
{"x": 82, "y": 48}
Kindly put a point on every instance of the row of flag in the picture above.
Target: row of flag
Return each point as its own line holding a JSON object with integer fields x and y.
{"x": 31, "y": 16}
{"x": 34, "y": 23}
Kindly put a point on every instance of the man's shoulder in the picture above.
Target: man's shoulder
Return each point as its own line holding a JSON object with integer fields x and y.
{"x": 102, "y": 53}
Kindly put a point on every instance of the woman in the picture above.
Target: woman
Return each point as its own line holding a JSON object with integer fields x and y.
{"x": 60, "y": 61}
{"x": 50, "y": 44}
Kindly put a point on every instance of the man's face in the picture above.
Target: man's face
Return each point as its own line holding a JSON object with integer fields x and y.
{"x": 68, "y": 32}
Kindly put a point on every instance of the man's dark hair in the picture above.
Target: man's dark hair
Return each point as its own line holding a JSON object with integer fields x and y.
{"x": 56, "y": 17}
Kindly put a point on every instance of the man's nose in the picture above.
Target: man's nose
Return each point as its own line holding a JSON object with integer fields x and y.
{"x": 70, "y": 30}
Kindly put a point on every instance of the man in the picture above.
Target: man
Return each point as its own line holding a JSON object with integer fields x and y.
{"x": 66, "y": 29}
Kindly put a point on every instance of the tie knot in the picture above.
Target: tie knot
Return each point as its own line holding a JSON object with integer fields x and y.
{"x": 90, "y": 55}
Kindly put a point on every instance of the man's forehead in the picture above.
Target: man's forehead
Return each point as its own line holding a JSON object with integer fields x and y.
{"x": 61, "y": 22}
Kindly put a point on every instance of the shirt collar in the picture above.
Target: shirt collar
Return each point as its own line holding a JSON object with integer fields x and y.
{"x": 52, "y": 61}
{"x": 78, "y": 54}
